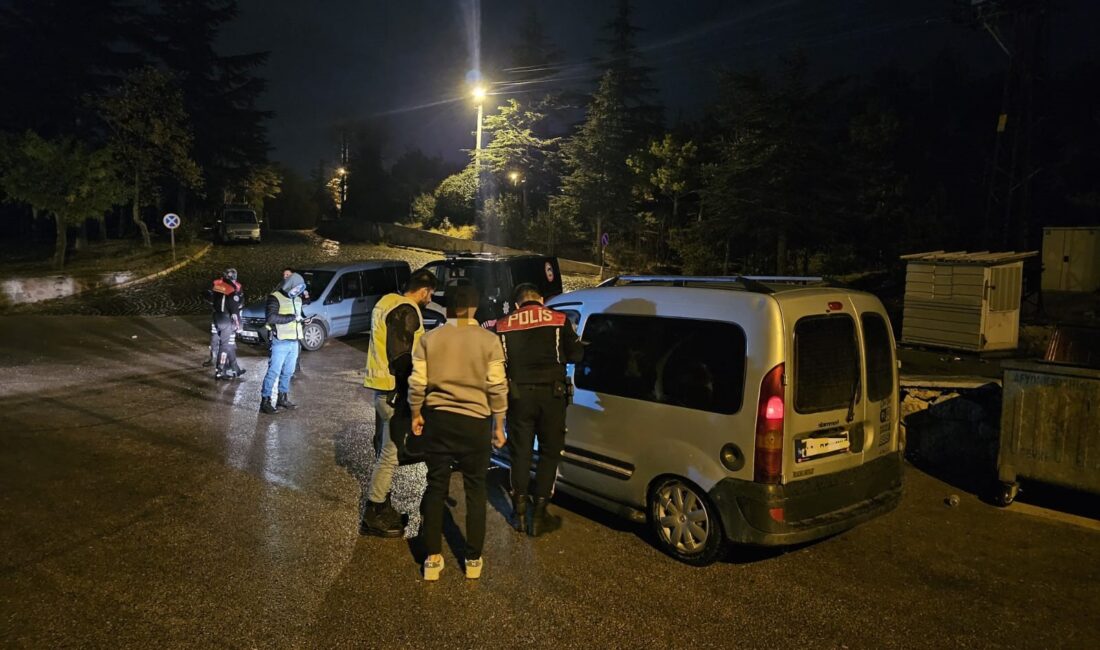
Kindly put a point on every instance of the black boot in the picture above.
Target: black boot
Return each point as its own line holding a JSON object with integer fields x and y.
{"x": 378, "y": 522}
{"x": 519, "y": 512}
{"x": 239, "y": 371}
{"x": 267, "y": 407}
{"x": 542, "y": 522}
{"x": 390, "y": 515}
{"x": 285, "y": 403}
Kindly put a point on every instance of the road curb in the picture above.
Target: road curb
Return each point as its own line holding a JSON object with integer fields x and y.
{"x": 163, "y": 272}
{"x": 94, "y": 288}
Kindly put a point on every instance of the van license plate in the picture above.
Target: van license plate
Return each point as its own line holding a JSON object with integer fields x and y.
{"x": 808, "y": 448}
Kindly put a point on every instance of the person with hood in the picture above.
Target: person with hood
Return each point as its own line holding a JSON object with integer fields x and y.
{"x": 284, "y": 320}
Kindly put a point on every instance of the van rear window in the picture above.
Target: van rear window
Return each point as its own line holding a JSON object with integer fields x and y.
{"x": 826, "y": 363}
{"x": 880, "y": 357}
{"x": 695, "y": 364}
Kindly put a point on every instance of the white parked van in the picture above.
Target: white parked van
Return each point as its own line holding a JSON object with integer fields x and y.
{"x": 753, "y": 410}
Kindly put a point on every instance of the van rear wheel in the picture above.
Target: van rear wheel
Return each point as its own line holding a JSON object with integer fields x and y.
{"x": 685, "y": 522}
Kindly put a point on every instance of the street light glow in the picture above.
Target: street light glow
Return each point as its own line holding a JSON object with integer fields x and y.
{"x": 341, "y": 171}
{"x": 513, "y": 176}
{"x": 479, "y": 92}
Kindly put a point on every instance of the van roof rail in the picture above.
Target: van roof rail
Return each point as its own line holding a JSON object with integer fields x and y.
{"x": 753, "y": 283}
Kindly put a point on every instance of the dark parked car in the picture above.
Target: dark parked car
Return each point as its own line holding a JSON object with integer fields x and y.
{"x": 496, "y": 276}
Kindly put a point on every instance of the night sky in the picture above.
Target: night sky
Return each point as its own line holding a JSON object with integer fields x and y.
{"x": 406, "y": 61}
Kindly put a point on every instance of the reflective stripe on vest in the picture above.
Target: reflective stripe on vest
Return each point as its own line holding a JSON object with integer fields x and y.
{"x": 291, "y": 331}
{"x": 378, "y": 364}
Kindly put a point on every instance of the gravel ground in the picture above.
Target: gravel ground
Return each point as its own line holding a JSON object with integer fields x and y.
{"x": 259, "y": 266}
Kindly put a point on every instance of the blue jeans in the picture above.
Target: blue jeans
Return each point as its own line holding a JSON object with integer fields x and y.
{"x": 281, "y": 364}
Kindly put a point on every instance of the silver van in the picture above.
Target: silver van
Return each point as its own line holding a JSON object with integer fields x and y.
{"x": 759, "y": 411}
{"x": 341, "y": 298}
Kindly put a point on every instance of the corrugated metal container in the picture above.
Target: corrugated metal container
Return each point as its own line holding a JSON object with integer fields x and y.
{"x": 1071, "y": 259}
{"x": 1050, "y": 426}
{"x": 963, "y": 301}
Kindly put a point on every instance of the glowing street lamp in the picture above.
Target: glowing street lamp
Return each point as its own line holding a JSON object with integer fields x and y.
{"x": 479, "y": 97}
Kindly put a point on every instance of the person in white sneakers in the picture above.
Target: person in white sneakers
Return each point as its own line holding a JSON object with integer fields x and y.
{"x": 458, "y": 394}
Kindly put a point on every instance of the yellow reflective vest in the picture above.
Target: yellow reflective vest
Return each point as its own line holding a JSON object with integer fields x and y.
{"x": 378, "y": 365}
{"x": 288, "y": 306}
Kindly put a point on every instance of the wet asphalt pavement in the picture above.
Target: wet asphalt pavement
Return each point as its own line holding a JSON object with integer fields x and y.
{"x": 259, "y": 268}
{"x": 145, "y": 505}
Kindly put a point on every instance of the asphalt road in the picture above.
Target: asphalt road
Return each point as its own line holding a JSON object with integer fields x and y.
{"x": 145, "y": 505}
{"x": 259, "y": 267}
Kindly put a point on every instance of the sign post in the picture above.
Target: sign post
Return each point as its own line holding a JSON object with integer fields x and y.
{"x": 605, "y": 239}
{"x": 171, "y": 222}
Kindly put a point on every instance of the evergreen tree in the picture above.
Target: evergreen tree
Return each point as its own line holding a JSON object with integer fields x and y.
{"x": 632, "y": 75}
{"x": 53, "y": 53}
{"x": 775, "y": 165}
{"x": 533, "y": 55}
{"x": 597, "y": 191}
{"x": 219, "y": 92}
{"x": 516, "y": 147}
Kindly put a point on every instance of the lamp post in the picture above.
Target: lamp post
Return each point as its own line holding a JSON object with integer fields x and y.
{"x": 342, "y": 172}
{"x": 479, "y": 97}
{"x": 517, "y": 180}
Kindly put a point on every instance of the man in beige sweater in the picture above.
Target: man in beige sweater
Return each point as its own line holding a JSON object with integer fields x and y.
{"x": 458, "y": 394}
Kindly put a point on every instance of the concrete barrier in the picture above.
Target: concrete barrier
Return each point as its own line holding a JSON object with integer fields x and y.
{"x": 18, "y": 291}
{"x": 396, "y": 235}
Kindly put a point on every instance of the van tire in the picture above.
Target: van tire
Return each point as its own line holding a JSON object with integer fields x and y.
{"x": 313, "y": 336}
{"x": 669, "y": 521}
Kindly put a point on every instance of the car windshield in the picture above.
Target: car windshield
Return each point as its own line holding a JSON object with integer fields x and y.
{"x": 240, "y": 216}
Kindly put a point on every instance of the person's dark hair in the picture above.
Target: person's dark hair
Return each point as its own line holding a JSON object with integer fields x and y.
{"x": 422, "y": 279}
{"x": 524, "y": 292}
{"x": 461, "y": 294}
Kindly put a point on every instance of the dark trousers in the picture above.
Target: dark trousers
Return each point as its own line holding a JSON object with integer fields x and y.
{"x": 453, "y": 439}
{"x": 223, "y": 345}
{"x": 535, "y": 410}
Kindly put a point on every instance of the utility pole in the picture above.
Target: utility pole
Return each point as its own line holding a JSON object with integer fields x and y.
{"x": 1020, "y": 29}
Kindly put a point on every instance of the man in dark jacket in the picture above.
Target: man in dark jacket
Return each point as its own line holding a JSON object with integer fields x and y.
{"x": 285, "y": 321}
{"x": 537, "y": 342}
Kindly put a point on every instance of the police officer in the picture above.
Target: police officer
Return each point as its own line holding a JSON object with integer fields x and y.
{"x": 226, "y": 299}
{"x": 537, "y": 342}
{"x": 284, "y": 319}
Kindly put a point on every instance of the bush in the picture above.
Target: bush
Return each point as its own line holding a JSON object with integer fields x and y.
{"x": 423, "y": 208}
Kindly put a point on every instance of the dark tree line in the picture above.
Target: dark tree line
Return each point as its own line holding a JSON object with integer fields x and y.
{"x": 784, "y": 173}
{"x": 169, "y": 122}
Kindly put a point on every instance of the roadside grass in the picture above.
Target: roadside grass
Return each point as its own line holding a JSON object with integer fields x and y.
{"x": 94, "y": 259}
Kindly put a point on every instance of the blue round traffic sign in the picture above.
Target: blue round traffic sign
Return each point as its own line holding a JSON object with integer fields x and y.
{"x": 171, "y": 221}
{"x": 605, "y": 239}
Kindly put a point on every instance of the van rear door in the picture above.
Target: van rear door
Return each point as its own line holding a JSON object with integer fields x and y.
{"x": 826, "y": 411}
{"x": 880, "y": 377}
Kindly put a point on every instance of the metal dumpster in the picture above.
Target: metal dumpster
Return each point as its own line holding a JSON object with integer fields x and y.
{"x": 1050, "y": 427}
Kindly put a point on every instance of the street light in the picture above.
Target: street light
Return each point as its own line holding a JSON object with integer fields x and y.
{"x": 517, "y": 179}
{"x": 479, "y": 97}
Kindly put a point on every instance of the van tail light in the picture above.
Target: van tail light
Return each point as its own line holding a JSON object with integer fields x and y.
{"x": 768, "y": 466}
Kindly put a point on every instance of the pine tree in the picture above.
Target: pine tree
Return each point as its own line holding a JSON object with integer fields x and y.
{"x": 54, "y": 53}
{"x": 632, "y": 75}
{"x": 597, "y": 191}
{"x": 219, "y": 92}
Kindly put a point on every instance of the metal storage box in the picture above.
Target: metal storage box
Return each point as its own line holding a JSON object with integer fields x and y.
{"x": 1050, "y": 426}
{"x": 963, "y": 301}
{"x": 1071, "y": 259}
